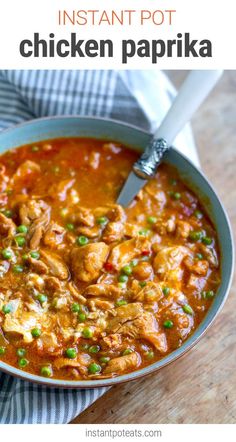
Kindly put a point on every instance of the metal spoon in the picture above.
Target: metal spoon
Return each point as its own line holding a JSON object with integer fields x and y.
{"x": 192, "y": 93}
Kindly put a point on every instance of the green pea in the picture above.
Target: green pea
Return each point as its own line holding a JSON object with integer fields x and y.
{"x": 7, "y": 254}
{"x": 25, "y": 257}
{"x": 64, "y": 212}
{"x": 142, "y": 283}
{"x": 87, "y": 333}
{"x": 94, "y": 349}
{"x": 122, "y": 285}
{"x": 84, "y": 346}
{"x": 102, "y": 220}
{"x": 121, "y": 302}
{"x": 35, "y": 255}
{"x": 208, "y": 294}
{"x": 75, "y": 308}
{"x": 36, "y": 332}
{"x": 46, "y": 371}
{"x": 35, "y": 148}
{"x": 127, "y": 270}
{"x": 151, "y": 219}
{"x": 173, "y": 182}
{"x": 166, "y": 291}
{"x": 207, "y": 241}
{"x": 168, "y": 324}
{"x": 195, "y": 235}
{"x": 70, "y": 226}
{"x": 7, "y": 308}
{"x": 56, "y": 169}
{"x": 21, "y": 352}
{"x": 22, "y": 229}
{"x": 2, "y": 351}
{"x": 188, "y": 309}
{"x": 82, "y": 317}
{"x": 123, "y": 278}
{"x": 82, "y": 240}
{"x": 144, "y": 232}
{"x": 175, "y": 195}
{"x": 18, "y": 268}
{"x": 198, "y": 214}
{"x": 127, "y": 351}
{"x": 42, "y": 298}
{"x": 71, "y": 353}
{"x": 8, "y": 213}
{"x": 104, "y": 359}
{"x": 23, "y": 362}
{"x": 199, "y": 256}
{"x": 94, "y": 368}
{"x": 149, "y": 354}
{"x": 20, "y": 241}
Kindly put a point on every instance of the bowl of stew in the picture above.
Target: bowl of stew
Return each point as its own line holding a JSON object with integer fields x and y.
{"x": 92, "y": 294}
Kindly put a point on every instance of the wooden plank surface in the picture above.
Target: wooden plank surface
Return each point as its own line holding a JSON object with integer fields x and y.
{"x": 201, "y": 387}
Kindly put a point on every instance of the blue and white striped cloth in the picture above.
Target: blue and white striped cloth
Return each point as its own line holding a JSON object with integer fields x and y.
{"x": 139, "y": 97}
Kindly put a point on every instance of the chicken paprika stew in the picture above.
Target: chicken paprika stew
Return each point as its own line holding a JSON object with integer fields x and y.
{"x": 88, "y": 289}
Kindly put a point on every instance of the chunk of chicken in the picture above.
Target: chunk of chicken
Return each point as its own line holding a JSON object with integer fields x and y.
{"x": 143, "y": 271}
{"x": 124, "y": 313}
{"x": 53, "y": 235}
{"x": 171, "y": 224}
{"x": 168, "y": 261}
{"x": 25, "y": 169}
{"x": 123, "y": 364}
{"x": 123, "y": 253}
{"x": 7, "y": 226}
{"x": 59, "y": 190}
{"x": 90, "y": 232}
{"x": 131, "y": 230}
{"x": 21, "y": 322}
{"x": 83, "y": 216}
{"x": 151, "y": 292}
{"x": 76, "y": 294}
{"x": 82, "y": 360}
{"x": 3, "y": 340}
{"x": 94, "y": 159}
{"x": 145, "y": 327}
{"x": 114, "y": 212}
{"x": 4, "y": 267}
{"x": 113, "y": 231}
{"x": 88, "y": 261}
{"x": 113, "y": 341}
{"x": 56, "y": 265}
{"x": 31, "y": 210}
{"x": 100, "y": 304}
{"x": 200, "y": 267}
{"x": 183, "y": 229}
{"x": 210, "y": 255}
{"x": 36, "y": 215}
{"x": 103, "y": 290}
{"x": 159, "y": 195}
{"x": 52, "y": 284}
{"x": 37, "y": 266}
{"x": 48, "y": 343}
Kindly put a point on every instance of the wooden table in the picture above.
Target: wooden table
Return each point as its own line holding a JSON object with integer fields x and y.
{"x": 201, "y": 387}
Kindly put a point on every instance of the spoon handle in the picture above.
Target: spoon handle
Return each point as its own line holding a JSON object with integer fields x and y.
{"x": 192, "y": 93}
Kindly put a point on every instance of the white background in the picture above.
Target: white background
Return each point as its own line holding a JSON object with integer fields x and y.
{"x": 170, "y": 433}
{"x": 211, "y": 19}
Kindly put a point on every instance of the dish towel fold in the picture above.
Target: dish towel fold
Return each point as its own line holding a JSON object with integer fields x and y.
{"x": 139, "y": 97}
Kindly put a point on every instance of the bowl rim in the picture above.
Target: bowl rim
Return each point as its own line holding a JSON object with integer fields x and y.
{"x": 176, "y": 354}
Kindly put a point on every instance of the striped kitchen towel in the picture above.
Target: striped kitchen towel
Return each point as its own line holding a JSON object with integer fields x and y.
{"x": 141, "y": 98}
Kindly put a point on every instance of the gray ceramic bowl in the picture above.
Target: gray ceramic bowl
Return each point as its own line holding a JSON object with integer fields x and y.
{"x": 56, "y": 127}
